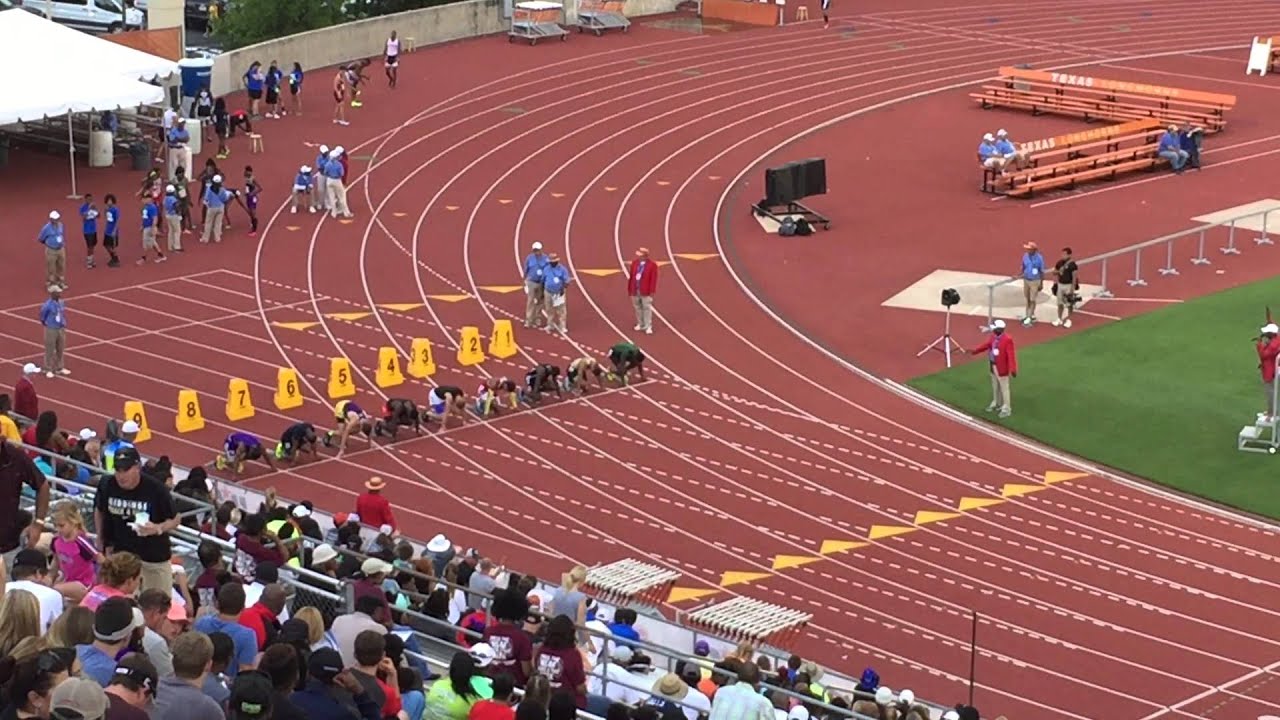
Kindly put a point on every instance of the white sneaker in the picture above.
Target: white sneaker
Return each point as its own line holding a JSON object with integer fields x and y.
{"x": 1066, "y": 323}
{"x": 64, "y": 371}
{"x": 1005, "y": 413}
{"x": 1057, "y": 322}
{"x": 638, "y": 327}
{"x": 992, "y": 407}
{"x": 648, "y": 331}
{"x": 313, "y": 211}
{"x": 294, "y": 211}
{"x": 49, "y": 374}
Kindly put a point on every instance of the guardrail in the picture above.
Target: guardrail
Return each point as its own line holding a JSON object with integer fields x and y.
{"x": 1196, "y": 242}
{"x": 667, "y": 642}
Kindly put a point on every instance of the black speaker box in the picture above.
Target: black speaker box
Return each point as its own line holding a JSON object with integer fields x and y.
{"x": 795, "y": 181}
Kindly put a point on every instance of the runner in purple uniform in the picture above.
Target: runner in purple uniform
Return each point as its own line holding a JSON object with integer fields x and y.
{"x": 240, "y": 447}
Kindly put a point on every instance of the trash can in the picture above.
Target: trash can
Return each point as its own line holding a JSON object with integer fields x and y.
{"x": 101, "y": 152}
{"x": 140, "y": 155}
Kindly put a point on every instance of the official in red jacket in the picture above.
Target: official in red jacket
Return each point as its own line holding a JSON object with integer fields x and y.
{"x": 1004, "y": 365}
{"x": 642, "y": 283}
{"x": 372, "y": 507}
{"x": 1268, "y": 351}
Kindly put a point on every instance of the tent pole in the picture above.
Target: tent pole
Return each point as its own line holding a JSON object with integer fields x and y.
{"x": 71, "y": 155}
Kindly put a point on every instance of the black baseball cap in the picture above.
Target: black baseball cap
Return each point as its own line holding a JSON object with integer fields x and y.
{"x": 127, "y": 458}
{"x": 325, "y": 664}
{"x": 116, "y": 619}
{"x": 31, "y": 558}
{"x": 250, "y": 697}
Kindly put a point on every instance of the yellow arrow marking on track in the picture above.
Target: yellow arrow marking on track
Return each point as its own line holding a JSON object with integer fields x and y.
{"x": 782, "y": 562}
{"x": 295, "y": 325}
{"x": 504, "y": 289}
{"x": 450, "y": 208}
{"x": 351, "y": 316}
{"x": 679, "y": 594}
{"x": 696, "y": 256}
{"x": 1057, "y": 476}
{"x": 737, "y": 578}
{"x": 401, "y": 307}
{"x": 1014, "y": 490}
{"x": 398, "y": 214}
{"x": 292, "y": 228}
{"x": 449, "y": 298}
{"x": 879, "y": 532}
{"x": 924, "y": 517}
{"x": 974, "y": 503}
{"x": 835, "y": 546}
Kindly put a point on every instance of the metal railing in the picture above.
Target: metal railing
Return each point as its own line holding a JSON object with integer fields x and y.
{"x": 666, "y": 637}
{"x": 1196, "y": 242}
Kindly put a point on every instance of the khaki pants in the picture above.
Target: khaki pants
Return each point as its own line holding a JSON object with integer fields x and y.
{"x": 644, "y": 311}
{"x": 213, "y": 225}
{"x": 557, "y": 315}
{"x": 1000, "y": 396}
{"x": 157, "y": 576}
{"x": 533, "y": 302}
{"x": 336, "y": 194}
{"x": 55, "y": 267}
{"x": 179, "y": 158}
{"x": 55, "y": 343}
{"x": 174, "y": 227}
{"x": 149, "y": 240}
{"x": 320, "y": 195}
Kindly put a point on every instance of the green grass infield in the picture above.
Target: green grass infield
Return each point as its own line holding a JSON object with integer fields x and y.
{"x": 1161, "y": 395}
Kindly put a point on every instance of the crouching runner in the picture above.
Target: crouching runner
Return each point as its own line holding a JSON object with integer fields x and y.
{"x": 541, "y": 378}
{"x": 238, "y": 448}
{"x": 297, "y": 439}
{"x": 495, "y": 396}
{"x": 626, "y": 357}
{"x": 351, "y": 420}
{"x": 444, "y": 402}
{"x": 398, "y": 413}
{"x": 580, "y": 373}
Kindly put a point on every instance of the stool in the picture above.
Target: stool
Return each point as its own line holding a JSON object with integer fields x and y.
{"x": 802, "y": 12}
{"x": 255, "y": 143}
{"x": 409, "y": 44}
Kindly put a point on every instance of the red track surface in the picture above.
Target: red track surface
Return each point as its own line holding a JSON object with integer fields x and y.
{"x": 1097, "y": 598}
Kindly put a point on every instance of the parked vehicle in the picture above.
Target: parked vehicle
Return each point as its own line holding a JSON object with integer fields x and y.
{"x": 97, "y": 16}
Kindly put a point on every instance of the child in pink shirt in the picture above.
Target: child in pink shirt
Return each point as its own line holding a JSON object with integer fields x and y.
{"x": 74, "y": 553}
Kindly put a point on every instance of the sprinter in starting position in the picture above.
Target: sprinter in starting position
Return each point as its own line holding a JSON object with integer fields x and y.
{"x": 541, "y": 378}
{"x": 238, "y": 448}
{"x": 398, "y": 413}
{"x": 351, "y": 420}
{"x": 297, "y": 439}
{"x": 444, "y": 402}
{"x": 580, "y": 373}
{"x": 626, "y": 357}
{"x": 496, "y": 396}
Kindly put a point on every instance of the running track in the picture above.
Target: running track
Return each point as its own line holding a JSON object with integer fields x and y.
{"x": 1097, "y": 598}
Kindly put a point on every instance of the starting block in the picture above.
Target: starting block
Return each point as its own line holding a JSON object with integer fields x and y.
{"x": 421, "y": 365}
{"x": 341, "y": 384}
{"x": 389, "y": 374}
{"x": 189, "y": 418}
{"x": 134, "y": 411}
{"x": 502, "y": 343}
{"x": 469, "y": 352}
{"x": 239, "y": 401}
{"x": 288, "y": 394}
{"x": 1259, "y": 57}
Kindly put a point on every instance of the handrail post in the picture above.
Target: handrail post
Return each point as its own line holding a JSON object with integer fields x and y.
{"x": 1263, "y": 239}
{"x": 991, "y": 304}
{"x": 1200, "y": 259}
{"x": 1168, "y": 268}
{"x": 1231, "y": 248}
{"x": 1106, "y": 289}
{"x": 1137, "y": 280}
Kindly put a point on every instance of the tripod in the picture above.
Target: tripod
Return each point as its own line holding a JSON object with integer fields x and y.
{"x": 944, "y": 343}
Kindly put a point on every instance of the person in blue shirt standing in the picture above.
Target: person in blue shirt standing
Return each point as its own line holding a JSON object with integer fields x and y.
{"x": 334, "y": 186}
{"x": 173, "y": 217}
{"x": 1171, "y": 149}
{"x": 89, "y": 218}
{"x": 150, "y": 218}
{"x": 555, "y": 280}
{"x": 254, "y": 79}
{"x": 273, "y": 79}
{"x": 215, "y": 203}
{"x": 1032, "y": 280}
{"x": 533, "y": 299}
{"x": 53, "y": 316}
{"x": 111, "y": 233}
{"x": 53, "y": 237}
{"x": 178, "y": 139}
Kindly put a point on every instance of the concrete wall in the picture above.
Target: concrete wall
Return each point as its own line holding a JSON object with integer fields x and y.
{"x": 366, "y": 38}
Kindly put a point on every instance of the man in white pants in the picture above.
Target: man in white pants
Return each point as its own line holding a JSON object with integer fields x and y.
{"x": 642, "y": 283}
{"x": 319, "y": 194}
{"x": 178, "y": 140}
{"x": 335, "y": 190}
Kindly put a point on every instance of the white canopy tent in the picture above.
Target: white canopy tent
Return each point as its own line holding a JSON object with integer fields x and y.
{"x": 80, "y": 73}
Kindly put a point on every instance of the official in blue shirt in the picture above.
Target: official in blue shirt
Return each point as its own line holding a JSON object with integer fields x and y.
{"x": 215, "y": 201}
{"x": 178, "y": 141}
{"x": 173, "y": 218}
{"x": 320, "y": 196}
{"x": 302, "y": 195}
{"x": 988, "y": 156}
{"x": 1171, "y": 149}
{"x": 89, "y": 220}
{"x": 1008, "y": 150}
{"x": 53, "y": 316}
{"x": 555, "y": 279}
{"x": 53, "y": 237}
{"x": 1032, "y": 279}
{"x": 534, "y": 265}
{"x": 333, "y": 185}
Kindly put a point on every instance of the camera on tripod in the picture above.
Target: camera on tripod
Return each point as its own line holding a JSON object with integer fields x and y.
{"x": 950, "y": 297}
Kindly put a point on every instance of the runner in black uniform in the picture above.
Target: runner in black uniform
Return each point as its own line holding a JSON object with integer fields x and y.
{"x": 542, "y": 378}
{"x": 580, "y": 372}
{"x": 626, "y": 357}
{"x": 495, "y": 396}
{"x": 297, "y": 439}
{"x": 398, "y": 413}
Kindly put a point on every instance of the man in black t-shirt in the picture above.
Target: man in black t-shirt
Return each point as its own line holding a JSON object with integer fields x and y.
{"x": 1066, "y": 287}
{"x": 16, "y": 470}
{"x": 135, "y": 513}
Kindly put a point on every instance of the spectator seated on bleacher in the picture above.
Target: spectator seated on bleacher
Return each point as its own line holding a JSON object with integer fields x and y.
{"x": 989, "y": 155}
{"x": 452, "y": 697}
{"x": 1191, "y": 139}
{"x": 1008, "y": 150}
{"x": 1170, "y": 149}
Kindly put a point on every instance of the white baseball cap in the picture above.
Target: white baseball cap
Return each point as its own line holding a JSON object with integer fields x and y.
{"x": 30, "y": 369}
{"x": 305, "y": 169}
{"x": 54, "y": 215}
{"x": 386, "y": 530}
{"x": 482, "y": 654}
{"x": 1271, "y": 329}
{"x": 217, "y": 178}
{"x": 323, "y": 553}
{"x": 1001, "y": 132}
{"x": 951, "y": 715}
{"x": 87, "y": 434}
{"x": 301, "y": 511}
{"x": 884, "y": 695}
{"x": 339, "y": 149}
{"x": 324, "y": 148}
{"x": 907, "y": 697}
{"x": 997, "y": 325}
{"x": 129, "y": 427}
{"x": 537, "y": 246}
{"x": 170, "y": 189}
{"x": 335, "y": 154}
{"x": 988, "y": 137}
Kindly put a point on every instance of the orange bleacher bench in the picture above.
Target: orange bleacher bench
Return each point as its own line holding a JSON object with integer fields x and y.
{"x": 1094, "y": 98}
{"x": 1067, "y": 160}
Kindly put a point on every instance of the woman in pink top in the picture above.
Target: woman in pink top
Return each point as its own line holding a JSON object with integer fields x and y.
{"x": 120, "y": 575}
{"x": 74, "y": 554}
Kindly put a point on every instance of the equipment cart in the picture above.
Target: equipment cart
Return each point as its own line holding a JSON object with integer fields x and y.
{"x": 534, "y": 20}
{"x": 600, "y": 15}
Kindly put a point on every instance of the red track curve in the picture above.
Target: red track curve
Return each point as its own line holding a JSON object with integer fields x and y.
{"x": 1098, "y": 598}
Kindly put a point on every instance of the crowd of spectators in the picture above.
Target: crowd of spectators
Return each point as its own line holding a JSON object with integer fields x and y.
{"x": 284, "y": 620}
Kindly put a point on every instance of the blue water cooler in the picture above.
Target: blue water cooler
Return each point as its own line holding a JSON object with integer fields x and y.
{"x": 196, "y": 73}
